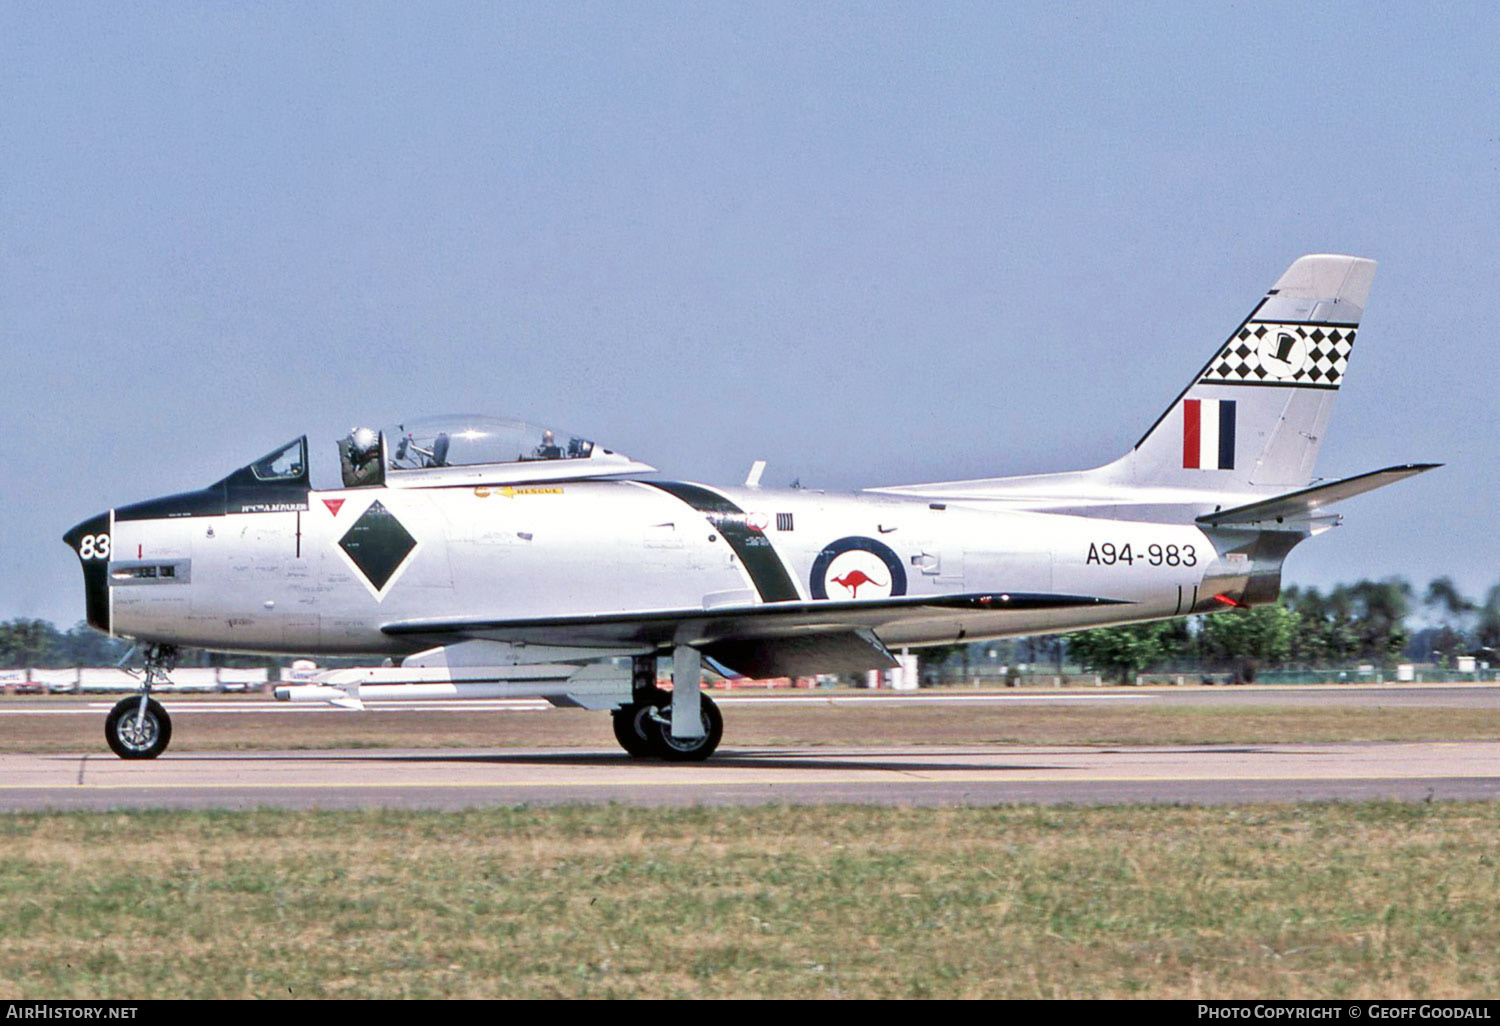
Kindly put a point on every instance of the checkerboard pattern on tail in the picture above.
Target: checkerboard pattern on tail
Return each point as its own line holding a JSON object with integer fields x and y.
{"x": 1295, "y": 355}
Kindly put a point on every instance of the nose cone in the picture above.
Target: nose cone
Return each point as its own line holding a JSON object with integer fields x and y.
{"x": 74, "y": 538}
{"x": 91, "y": 543}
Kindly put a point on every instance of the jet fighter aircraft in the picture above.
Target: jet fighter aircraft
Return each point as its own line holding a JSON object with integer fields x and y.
{"x": 485, "y": 558}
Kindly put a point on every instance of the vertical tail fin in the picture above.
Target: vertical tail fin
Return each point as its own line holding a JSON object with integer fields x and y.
{"x": 1253, "y": 417}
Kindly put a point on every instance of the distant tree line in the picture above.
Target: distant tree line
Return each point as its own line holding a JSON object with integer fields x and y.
{"x": 33, "y": 644}
{"x": 25, "y": 644}
{"x": 1350, "y": 624}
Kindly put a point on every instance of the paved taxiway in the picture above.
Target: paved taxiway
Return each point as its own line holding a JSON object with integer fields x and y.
{"x": 868, "y": 774}
{"x": 885, "y": 774}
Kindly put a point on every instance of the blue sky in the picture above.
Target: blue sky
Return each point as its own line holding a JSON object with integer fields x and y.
{"x": 870, "y": 243}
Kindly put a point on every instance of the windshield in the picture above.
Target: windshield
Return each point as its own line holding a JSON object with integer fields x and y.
{"x": 287, "y": 463}
{"x": 466, "y": 441}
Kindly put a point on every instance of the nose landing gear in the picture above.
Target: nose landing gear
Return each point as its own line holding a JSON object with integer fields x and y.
{"x": 138, "y": 727}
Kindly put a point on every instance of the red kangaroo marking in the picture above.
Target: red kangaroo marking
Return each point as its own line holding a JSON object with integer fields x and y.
{"x": 853, "y": 579}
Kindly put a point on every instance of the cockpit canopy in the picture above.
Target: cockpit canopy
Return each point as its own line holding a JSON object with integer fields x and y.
{"x": 435, "y": 452}
{"x": 474, "y": 441}
{"x": 472, "y": 449}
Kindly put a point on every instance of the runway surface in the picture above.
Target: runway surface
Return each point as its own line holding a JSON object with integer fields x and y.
{"x": 887, "y": 775}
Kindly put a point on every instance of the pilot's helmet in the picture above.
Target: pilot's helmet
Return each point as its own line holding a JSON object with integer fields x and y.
{"x": 363, "y": 443}
{"x": 547, "y": 437}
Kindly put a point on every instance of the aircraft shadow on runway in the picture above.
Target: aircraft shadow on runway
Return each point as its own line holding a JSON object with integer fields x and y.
{"x": 725, "y": 759}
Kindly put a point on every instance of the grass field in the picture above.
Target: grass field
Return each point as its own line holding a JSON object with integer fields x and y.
{"x": 1116, "y": 723}
{"x": 1371, "y": 900}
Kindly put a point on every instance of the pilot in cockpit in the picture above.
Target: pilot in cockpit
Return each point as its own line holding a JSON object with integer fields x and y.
{"x": 549, "y": 449}
{"x": 359, "y": 458}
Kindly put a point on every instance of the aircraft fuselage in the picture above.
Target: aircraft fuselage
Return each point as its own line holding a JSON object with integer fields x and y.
{"x": 326, "y": 575}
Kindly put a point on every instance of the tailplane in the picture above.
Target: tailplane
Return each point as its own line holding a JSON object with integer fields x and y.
{"x": 1302, "y": 507}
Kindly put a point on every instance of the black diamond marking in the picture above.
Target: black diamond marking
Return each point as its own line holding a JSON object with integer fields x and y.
{"x": 1260, "y": 332}
{"x": 1317, "y": 335}
{"x": 1334, "y": 336}
{"x": 378, "y": 544}
{"x": 1260, "y": 372}
{"x": 1315, "y": 373}
{"x": 1242, "y": 352}
{"x": 1244, "y": 334}
{"x": 1332, "y": 374}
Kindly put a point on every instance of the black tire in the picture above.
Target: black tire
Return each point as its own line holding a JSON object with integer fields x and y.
{"x": 128, "y": 743}
{"x": 630, "y": 730}
{"x": 664, "y": 746}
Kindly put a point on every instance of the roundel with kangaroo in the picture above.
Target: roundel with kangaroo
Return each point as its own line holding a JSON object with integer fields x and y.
{"x": 857, "y": 568}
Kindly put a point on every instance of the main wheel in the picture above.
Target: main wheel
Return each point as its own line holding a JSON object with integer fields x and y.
{"x": 631, "y": 730}
{"x": 133, "y": 737}
{"x": 658, "y": 729}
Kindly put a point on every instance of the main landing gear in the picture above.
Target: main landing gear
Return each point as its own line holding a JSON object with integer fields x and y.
{"x": 645, "y": 729}
{"x": 138, "y": 727}
{"x": 645, "y": 726}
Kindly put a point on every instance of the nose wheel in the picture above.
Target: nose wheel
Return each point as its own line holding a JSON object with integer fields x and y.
{"x": 134, "y": 733}
{"x": 138, "y": 727}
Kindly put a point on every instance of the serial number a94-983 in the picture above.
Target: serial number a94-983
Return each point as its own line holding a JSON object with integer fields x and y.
{"x": 1110, "y": 554}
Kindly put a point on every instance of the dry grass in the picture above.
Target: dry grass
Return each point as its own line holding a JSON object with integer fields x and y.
{"x": 1115, "y": 723}
{"x": 1373, "y": 900}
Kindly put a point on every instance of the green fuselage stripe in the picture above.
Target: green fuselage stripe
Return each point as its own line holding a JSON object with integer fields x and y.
{"x": 752, "y": 547}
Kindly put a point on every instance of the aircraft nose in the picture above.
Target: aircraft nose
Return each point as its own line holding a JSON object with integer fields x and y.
{"x": 74, "y": 536}
{"x": 91, "y": 542}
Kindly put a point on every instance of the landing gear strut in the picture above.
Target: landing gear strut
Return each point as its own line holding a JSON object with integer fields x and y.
{"x": 138, "y": 727}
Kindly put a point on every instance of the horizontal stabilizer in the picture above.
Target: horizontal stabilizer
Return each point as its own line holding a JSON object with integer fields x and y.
{"x": 1311, "y": 501}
